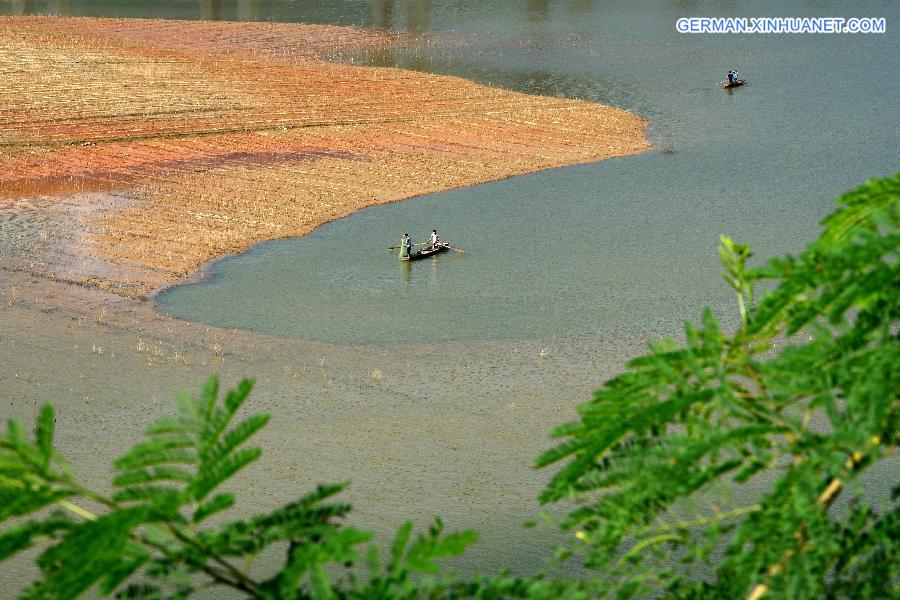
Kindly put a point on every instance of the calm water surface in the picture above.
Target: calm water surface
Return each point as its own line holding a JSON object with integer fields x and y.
{"x": 623, "y": 245}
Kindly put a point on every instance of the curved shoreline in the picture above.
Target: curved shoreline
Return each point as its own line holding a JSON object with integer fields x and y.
{"x": 211, "y": 137}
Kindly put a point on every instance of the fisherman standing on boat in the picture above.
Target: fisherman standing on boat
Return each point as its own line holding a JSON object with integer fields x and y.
{"x": 405, "y": 246}
{"x": 434, "y": 239}
{"x": 732, "y": 77}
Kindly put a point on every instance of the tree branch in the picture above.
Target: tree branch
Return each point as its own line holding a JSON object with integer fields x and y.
{"x": 825, "y": 500}
{"x": 237, "y": 579}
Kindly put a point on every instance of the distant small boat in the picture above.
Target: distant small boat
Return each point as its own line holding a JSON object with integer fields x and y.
{"x": 737, "y": 83}
{"x": 426, "y": 252}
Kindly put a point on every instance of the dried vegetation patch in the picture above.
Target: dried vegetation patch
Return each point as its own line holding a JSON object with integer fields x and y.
{"x": 227, "y": 134}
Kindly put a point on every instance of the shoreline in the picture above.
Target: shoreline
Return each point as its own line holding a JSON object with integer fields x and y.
{"x": 79, "y": 256}
{"x": 195, "y": 138}
{"x": 203, "y": 272}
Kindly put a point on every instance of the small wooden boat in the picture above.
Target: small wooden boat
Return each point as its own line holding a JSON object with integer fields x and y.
{"x": 737, "y": 83}
{"x": 427, "y": 251}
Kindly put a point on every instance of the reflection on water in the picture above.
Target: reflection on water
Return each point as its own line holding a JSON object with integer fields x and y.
{"x": 406, "y": 270}
{"x": 212, "y": 9}
{"x": 537, "y": 9}
{"x": 412, "y": 16}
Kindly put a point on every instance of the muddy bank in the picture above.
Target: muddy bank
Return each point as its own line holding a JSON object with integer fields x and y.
{"x": 419, "y": 431}
{"x": 216, "y": 136}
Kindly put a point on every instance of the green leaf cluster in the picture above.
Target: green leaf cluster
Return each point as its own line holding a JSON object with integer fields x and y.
{"x": 155, "y": 537}
{"x": 713, "y": 467}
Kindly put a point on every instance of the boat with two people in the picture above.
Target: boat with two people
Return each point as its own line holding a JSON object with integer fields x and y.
{"x": 732, "y": 81}
{"x": 427, "y": 251}
{"x": 433, "y": 246}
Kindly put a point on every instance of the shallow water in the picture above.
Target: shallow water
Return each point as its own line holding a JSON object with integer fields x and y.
{"x": 628, "y": 244}
{"x": 446, "y": 429}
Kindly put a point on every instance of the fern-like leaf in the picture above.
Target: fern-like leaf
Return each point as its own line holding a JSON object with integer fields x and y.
{"x": 23, "y": 536}
{"x": 215, "y": 504}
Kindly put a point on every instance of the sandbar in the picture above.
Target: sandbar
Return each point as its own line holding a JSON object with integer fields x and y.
{"x": 184, "y": 141}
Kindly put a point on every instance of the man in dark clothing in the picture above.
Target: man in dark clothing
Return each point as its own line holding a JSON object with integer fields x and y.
{"x": 405, "y": 246}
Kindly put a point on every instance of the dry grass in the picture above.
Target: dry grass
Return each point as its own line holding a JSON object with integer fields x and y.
{"x": 234, "y": 133}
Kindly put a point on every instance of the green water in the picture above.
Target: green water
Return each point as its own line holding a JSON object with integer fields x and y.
{"x": 627, "y": 244}
{"x": 623, "y": 245}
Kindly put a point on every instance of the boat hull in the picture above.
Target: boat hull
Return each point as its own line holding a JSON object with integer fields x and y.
{"x": 737, "y": 83}
{"x": 426, "y": 252}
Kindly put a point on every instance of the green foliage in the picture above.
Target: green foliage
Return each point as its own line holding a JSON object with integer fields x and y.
{"x": 407, "y": 558}
{"x": 786, "y": 413}
{"x": 152, "y": 538}
{"x": 717, "y": 467}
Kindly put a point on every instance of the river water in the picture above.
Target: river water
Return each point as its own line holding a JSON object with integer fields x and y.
{"x": 628, "y": 244}
{"x": 623, "y": 245}
{"x": 568, "y": 271}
